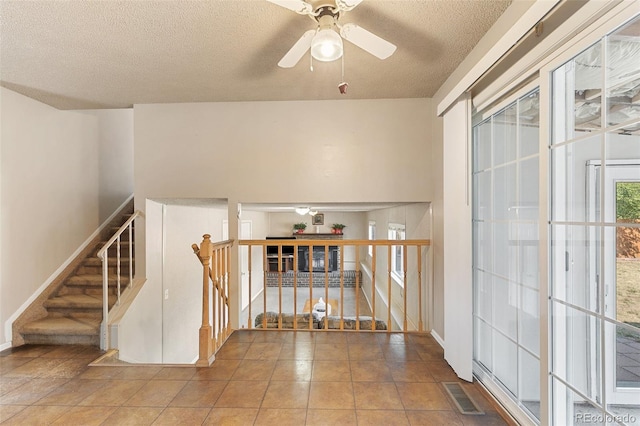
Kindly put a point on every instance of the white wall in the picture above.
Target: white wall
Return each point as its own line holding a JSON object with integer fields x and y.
{"x": 252, "y": 152}
{"x": 51, "y": 192}
{"x": 417, "y": 221}
{"x": 182, "y": 278}
{"x": 115, "y": 153}
{"x": 318, "y": 151}
{"x": 140, "y": 328}
{"x": 281, "y": 224}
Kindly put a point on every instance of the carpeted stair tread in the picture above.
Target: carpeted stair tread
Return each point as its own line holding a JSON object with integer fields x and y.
{"x": 94, "y": 280}
{"x": 95, "y": 261}
{"x": 63, "y": 326}
{"x": 80, "y": 301}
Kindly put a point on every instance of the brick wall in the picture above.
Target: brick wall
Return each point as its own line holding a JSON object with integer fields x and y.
{"x": 316, "y": 277}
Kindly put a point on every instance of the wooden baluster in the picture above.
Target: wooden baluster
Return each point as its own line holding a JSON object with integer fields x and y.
{"x": 265, "y": 264}
{"x": 250, "y": 282}
{"x": 310, "y": 268}
{"x": 389, "y": 278}
{"x": 118, "y": 267}
{"x": 326, "y": 286}
{"x": 295, "y": 287}
{"x": 280, "y": 286}
{"x": 216, "y": 297}
{"x": 342, "y": 287}
{"x": 357, "y": 288}
{"x": 373, "y": 285}
{"x": 205, "y": 350}
{"x": 405, "y": 254}
{"x": 420, "y": 324}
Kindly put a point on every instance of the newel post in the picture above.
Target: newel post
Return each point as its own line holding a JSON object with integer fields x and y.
{"x": 205, "y": 351}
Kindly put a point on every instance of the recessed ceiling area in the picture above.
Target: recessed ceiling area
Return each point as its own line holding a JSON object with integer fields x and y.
{"x": 114, "y": 54}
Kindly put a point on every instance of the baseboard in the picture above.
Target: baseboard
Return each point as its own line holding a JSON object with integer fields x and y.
{"x": 438, "y": 339}
{"x": 5, "y": 346}
{"x": 9, "y": 322}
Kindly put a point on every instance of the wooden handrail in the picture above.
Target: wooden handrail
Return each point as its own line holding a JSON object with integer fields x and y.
{"x": 215, "y": 260}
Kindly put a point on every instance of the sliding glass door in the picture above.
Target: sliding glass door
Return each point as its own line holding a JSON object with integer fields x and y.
{"x": 505, "y": 226}
{"x": 595, "y": 233}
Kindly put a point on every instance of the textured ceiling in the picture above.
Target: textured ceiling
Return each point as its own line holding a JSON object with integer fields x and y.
{"x": 80, "y": 54}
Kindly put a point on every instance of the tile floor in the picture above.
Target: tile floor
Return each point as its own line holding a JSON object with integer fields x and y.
{"x": 258, "y": 378}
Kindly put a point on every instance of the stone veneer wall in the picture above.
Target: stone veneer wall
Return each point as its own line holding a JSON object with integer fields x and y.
{"x": 317, "y": 279}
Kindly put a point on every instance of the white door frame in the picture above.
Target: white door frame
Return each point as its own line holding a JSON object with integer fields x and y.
{"x": 615, "y": 171}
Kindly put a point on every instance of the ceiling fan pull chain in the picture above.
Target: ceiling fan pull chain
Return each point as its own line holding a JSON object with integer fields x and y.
{"x": 310, "y": 62}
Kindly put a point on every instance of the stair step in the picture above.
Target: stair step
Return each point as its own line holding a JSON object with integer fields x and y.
{"x": 111, "y": 261}
{"x": 77, "y": 301}
{"x": 90, "y": 280}
{"x": 63, "y": 326}
{"x": 93, "y": 266}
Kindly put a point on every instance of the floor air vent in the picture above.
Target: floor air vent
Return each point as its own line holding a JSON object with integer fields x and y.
{"x": 463, "y": 401}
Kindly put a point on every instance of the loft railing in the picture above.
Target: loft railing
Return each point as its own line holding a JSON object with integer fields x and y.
{"x": 387, "y": 290}
{"x": 214, "y": 330}
{"x": 103, "y": 254}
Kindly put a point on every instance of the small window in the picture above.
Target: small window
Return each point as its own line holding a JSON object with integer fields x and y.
{"x": 397, "y": 232}
{"x": 372, "y": 235}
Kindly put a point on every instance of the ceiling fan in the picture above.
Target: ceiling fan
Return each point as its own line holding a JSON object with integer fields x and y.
{"x": 325, "y": 42}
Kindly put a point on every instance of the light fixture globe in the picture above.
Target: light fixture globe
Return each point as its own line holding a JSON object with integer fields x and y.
{"x": 326, "y": 45}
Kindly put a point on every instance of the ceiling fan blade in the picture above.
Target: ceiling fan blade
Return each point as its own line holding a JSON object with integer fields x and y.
{"x": 302, "y": 46}
{"x": 367, "y": 41}
{"x": 347, "y": 5}
{"x": 297, "y": 6}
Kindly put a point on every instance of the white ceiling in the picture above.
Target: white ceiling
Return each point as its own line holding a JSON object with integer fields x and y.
{"x": 81, "y": 54}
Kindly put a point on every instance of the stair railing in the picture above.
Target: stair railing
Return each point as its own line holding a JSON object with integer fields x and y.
{"x": 216, "y": 267}
{"x": 103, "y": 254}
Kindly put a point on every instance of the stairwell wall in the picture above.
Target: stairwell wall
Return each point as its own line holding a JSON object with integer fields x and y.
{"x": 53, "y": 195}
{"x": 289, "y": 152}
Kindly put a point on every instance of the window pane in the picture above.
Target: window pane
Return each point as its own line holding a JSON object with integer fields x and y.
{"x": 530, "y": 382}
{"x": 623, "y": 75}
{"x": 483, "y": 295}
{"x": 528, "y": 190}
{"x": 482, "y": 346}
{"x": 504, "y": 136}
{"x": 569, "y": 408}
{"x": 529, "y": 118}
{"x": 622, "y": 177}
{"x": 569, "y": 166}
{"x": 482, "y": 195}
{"x": 504, "y": 193}
{"x": 505, "y": 251}
{"x": 529, "y": 320}
{"x": 482, "y": 143}
{"x": 484, "y": 246}
{"x": 528, "y": 253}
{"x": 505, "y": 362}
{"x": 576, "y": 340}
{"x": 505, "y": 307}
{"x": 575, "y": 265}
{"x": 627, "y": 276}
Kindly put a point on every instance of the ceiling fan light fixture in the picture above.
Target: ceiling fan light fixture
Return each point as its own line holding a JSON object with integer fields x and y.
{"x": 326, "y": 45}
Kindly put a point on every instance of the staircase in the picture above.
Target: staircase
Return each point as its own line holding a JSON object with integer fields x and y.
{"x": 72, "y": 312}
